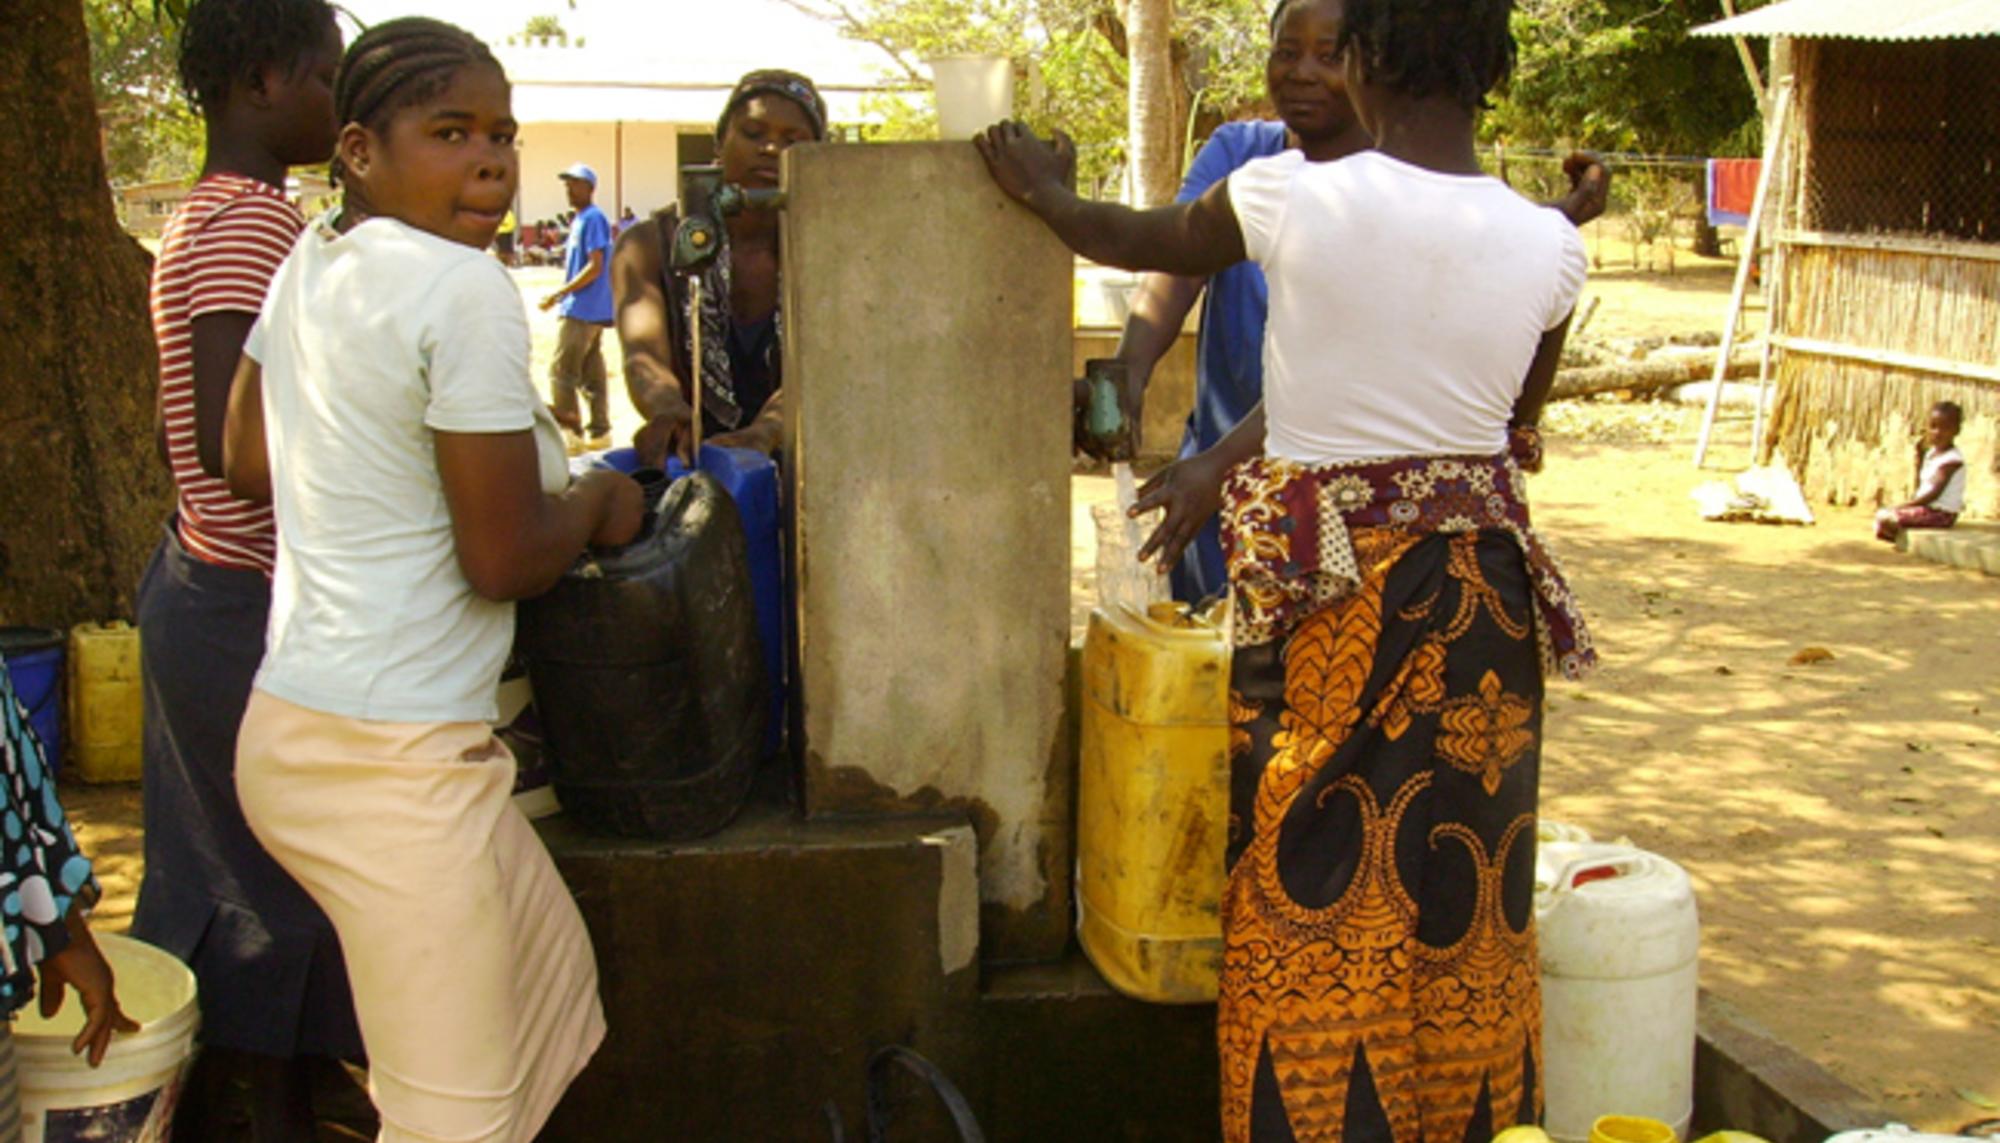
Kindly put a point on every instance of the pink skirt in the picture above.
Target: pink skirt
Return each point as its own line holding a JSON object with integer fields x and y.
{"x": 474, "y": 980}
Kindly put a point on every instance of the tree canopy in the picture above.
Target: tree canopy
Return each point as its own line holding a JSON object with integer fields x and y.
{"x": 150, "y": 133}
{"x": 1623, "y": 75}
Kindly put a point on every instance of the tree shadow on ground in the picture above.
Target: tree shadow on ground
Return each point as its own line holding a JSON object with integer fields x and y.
{"x": 1835, "y": 813}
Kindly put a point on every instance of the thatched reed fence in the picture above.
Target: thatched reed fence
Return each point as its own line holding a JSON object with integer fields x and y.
{"x": 1875, "y": 332}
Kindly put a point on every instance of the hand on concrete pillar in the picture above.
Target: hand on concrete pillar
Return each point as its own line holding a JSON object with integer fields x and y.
{"x": 1023, "y": 164}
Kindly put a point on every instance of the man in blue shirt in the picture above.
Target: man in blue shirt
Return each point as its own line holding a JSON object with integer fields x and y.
{"x": 585, "y": 307}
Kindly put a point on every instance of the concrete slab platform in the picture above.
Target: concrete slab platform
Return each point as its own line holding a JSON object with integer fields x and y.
{"x": 747, "y": 977}
{"x": 1746, "y": 1080}
{"x": 1063, "y": 1056}
{"x": 1974, "y": 546}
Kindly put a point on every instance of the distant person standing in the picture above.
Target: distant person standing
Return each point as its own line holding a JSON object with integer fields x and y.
{"x": 584, "y": 302}
{"x": 625, "y": 220}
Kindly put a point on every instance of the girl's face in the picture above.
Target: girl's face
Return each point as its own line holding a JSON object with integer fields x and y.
{"x": 301, "y": 101}
{"x": 758, "y": 133}
{"x": 446, "y": 166}
{"x": 1304, "y": 75}
{"x": 1939, "y": 431}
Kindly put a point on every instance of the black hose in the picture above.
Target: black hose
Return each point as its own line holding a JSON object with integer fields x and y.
{"x": 879, "y": 1066}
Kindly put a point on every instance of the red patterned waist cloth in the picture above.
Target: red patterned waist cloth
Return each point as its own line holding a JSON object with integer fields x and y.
{"x": 1286, "y": 534}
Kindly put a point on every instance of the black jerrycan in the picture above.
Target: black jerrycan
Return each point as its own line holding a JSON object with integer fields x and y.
{"x": 649, "y": 678}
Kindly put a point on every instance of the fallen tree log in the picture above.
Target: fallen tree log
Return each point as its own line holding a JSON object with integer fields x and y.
{"x": 1644, "y": 376}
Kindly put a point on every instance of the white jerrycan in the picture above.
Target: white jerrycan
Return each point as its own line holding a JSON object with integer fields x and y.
{"x": 1619, "y": 939}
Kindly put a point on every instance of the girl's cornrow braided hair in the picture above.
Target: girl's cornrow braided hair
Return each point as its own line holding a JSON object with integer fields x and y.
{"x": 398, "y": 64}
{"x": 1459, "y": 48}
{"x": 223, "y": 41}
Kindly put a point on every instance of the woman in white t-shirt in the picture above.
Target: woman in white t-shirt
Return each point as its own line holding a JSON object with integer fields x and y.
{"x": 1395, "y": 612}
{"x": 419, "y": 485}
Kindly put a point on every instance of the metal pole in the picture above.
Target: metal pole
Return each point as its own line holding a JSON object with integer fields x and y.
{"x": 694, "y": 321}
{"x": 1750, "y": 242}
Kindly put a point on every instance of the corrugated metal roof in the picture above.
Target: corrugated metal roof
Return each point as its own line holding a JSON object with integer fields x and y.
{"x": 1865, "y": 20}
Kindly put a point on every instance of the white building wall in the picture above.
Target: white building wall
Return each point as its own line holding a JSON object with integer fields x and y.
{"x": 652, "y": 166}
{"x": 636, "y": 163}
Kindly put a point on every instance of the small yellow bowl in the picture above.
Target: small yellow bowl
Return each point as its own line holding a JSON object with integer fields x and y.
{"x": 1523, "y": 1134}
{"x": 1631, "y": 1129}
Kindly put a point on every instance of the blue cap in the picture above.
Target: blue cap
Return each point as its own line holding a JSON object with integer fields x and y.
{"x": 582, "y": 173}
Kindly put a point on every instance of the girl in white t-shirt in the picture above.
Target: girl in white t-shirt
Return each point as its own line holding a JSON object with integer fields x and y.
{"x": 1394, "y": 610}
{"x": 1940, "y": 495}
{"x": 419, "y": 484}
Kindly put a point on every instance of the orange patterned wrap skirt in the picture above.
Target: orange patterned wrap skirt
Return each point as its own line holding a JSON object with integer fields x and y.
{"x": 1380, "y": 979}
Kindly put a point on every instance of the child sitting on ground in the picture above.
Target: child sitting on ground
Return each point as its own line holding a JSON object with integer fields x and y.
{"x": 1940, "y": 482}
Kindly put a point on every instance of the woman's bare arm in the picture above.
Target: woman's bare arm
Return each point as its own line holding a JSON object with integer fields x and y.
{"x": 640, "y": 298}
{"x": 246, "y": 463}
{"x": 1541, "y": 377}
{"x": 1191, "y": 490}
{"x": 1160, "y": 307}
{"x": 215, "y": 343}
{"x": 513, "y": 540}
{"x": 1194, "y": 240}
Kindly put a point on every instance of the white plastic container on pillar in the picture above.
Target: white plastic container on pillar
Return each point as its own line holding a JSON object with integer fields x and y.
{"x": 1619, "y": 939}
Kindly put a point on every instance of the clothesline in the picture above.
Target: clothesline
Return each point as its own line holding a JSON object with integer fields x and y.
{"x": 1618, "y": 158}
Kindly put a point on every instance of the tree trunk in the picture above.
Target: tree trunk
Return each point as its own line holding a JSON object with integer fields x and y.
{"x": 1152, "y": 126}
{"x": 82, "y": 488}
{"x": 1642, "y": 376}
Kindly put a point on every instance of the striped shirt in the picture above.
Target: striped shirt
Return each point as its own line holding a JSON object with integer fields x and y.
{"x": 217, "y": 255}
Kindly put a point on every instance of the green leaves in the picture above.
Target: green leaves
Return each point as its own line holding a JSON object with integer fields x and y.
{"x": 150, "y": 134}
{"x": 1623, "y": 75}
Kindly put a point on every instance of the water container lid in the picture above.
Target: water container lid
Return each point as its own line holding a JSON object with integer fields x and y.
{"x": 1604, "y": 870}
{"x": 27, "y": 640}
{"x": 1179, "y": 625}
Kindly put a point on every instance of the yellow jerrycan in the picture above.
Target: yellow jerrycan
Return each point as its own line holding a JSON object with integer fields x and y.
{"x": 106, "y": 702}
{"x": 1153, "y": 800}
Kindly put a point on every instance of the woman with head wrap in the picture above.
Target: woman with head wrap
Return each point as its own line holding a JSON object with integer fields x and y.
{"x": 736, "y": 311}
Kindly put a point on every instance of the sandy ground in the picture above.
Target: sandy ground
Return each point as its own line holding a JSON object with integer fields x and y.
{"x": 1837, "y": 816}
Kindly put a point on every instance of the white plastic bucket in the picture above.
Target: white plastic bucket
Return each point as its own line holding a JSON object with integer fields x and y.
{"x": 130, "y": 1098}
{"x": 973, "y": 93}
{"x": 1619, "y": 938}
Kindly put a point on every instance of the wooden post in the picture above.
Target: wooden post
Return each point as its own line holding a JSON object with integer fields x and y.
{"x": 1750, "y": 243}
